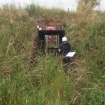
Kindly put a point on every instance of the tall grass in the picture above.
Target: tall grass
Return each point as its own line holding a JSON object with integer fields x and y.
{"x": 45, "y": 83}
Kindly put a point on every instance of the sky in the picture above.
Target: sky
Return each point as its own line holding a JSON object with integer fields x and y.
{"x": 63, "y": 4}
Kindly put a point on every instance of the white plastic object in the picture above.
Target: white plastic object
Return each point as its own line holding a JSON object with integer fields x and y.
{"x": 71, "y": 54}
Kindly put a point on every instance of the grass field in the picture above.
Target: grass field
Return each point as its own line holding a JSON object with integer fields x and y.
{"x": 45, "y": 83}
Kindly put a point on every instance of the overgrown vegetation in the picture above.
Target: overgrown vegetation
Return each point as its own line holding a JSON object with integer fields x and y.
{"x": 46, "y": 82}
